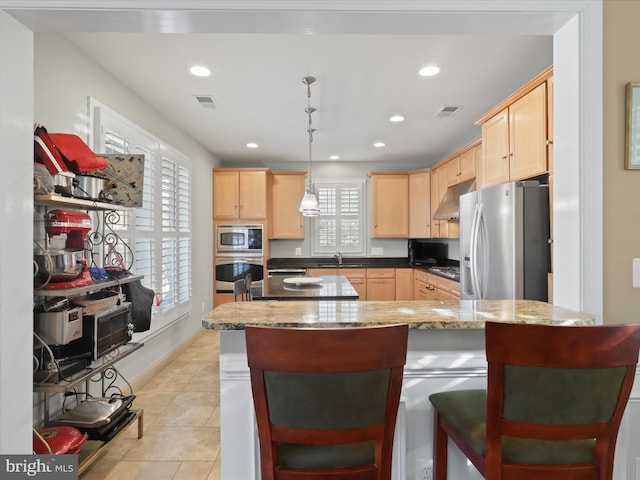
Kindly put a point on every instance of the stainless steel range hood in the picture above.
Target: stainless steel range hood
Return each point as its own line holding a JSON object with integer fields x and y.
{"x": 449, "y": 208}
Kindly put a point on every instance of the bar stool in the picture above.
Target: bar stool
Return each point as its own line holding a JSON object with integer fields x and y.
{"x": 553, "y": 405}
{"x": 326, "y": 399}
{"x": 240, "y": 293}
{"x": 247, "y": 283}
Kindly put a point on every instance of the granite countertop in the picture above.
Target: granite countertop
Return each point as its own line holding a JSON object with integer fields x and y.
{"x": 419, "y": 314}
{"x": 332, "y": 287}
{"x": 329, "y": 262}
{"x": 356, "y": 262}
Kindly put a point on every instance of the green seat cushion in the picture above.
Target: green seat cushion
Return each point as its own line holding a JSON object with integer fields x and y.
{"x": 465, "y": 411}
{"x": 326, "y": 456}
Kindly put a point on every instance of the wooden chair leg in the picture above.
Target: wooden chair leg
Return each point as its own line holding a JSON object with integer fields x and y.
{"x": 440, "y": 440}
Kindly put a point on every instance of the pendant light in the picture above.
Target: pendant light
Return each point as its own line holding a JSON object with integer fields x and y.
{"x": 309, "y": 205}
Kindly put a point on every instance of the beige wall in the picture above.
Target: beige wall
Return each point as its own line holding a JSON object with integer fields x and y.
{"x": 621, "y": 209}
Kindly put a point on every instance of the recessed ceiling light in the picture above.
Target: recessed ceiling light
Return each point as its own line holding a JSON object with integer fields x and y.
{"x": 334, "y": 157}
{"x": 378, "y": 144}
{"x": 200, "y": 71}
{"x": 396, "y": 118}
{"x": 429, "y": 70}
{"x": 252, "y": 145}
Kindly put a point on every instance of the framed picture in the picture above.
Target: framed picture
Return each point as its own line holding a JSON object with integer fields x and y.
{"x": 632, "y": 140}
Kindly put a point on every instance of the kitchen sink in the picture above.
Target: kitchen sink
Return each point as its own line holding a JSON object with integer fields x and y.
{"x": 351, "y": 265}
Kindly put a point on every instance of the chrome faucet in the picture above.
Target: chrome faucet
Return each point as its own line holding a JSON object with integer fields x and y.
{"x": 338, "y": 256}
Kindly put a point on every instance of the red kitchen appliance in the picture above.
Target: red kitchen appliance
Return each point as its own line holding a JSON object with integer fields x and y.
{"x": 60, "y": 440}
{"x": 76, "y": 226}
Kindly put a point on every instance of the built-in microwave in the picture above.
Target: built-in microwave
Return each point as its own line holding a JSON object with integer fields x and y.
{"x": 244, "y": 240}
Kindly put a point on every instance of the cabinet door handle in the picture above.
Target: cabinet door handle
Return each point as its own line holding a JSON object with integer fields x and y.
{"x": 549, "y": 142}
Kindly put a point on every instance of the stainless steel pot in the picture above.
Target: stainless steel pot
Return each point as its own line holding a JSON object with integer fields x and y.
{"x": 64, "y": 183}
{"x": 89, "y": 187}
{"x": 58, "y": 265}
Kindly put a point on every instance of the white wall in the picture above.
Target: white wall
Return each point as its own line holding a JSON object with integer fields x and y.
{"x": 16, "y": 211}
{"x": 64, "y": 79}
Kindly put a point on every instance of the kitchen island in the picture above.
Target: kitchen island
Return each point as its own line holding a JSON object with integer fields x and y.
{"x": 445, "y": 351}
{"x": 325, "y": 287}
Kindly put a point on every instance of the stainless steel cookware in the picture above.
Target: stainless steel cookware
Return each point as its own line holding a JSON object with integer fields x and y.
{"x": 89, "y": 187}
{"x": 64, "y": 183}
{"x": 58, "y": 265}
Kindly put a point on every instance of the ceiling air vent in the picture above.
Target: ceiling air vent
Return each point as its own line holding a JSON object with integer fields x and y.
{"x": 206, "y": 101}
{"x": 447, "y": 111}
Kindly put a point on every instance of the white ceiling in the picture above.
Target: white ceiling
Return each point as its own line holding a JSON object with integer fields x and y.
{"x": 362, "y": 78}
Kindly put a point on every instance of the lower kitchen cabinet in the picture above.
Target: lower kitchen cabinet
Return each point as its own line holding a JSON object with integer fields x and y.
{"x": 404, "y": 283}
{"x": 422, "y": 289}
{"x": 381, "y": 284}
{"x": 427, "y": 286}
{"x": 314, "y": 272}
{"x": 358, "y": 278}
{"x": 447, "y": 289}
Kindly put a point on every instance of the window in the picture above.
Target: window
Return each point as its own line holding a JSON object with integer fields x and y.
{"x": 340, "y": 225}
{"x": 154, "y": 240}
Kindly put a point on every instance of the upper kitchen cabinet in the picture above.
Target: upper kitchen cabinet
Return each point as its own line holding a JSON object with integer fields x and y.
{"x": 515, "y": 135}
{"x": 420, "y": 204}
{"x": 462, "y": 167}
{"x": 287, "y": 189}
{"x": 240, "y": 194}
{"x": 389, "y": 204}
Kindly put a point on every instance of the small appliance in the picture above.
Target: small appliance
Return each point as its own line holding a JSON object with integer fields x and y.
{"x": 425, "y": 253}
{"x": 61, "y": 327}
{"x": 65, "y": 268}
{"x": 103, "y": 332}
{"x": 239, "y": 240}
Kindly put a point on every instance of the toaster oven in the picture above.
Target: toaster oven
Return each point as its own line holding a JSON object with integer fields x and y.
{"x": 104, "y": 331}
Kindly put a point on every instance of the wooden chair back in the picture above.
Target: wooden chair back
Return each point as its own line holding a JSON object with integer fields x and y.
{"x": 326, "y": 399}
{"x": 557, "y": 384}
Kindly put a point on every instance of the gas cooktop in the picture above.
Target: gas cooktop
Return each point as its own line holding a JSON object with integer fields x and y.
{"x": 449, "y": 272}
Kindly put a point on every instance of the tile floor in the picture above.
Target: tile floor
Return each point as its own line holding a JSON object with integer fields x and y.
{"x": 181, "y": 423}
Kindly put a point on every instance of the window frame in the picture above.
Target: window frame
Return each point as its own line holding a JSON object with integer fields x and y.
{"x": 360, "y": 250}
{"x": 153, "y": 234}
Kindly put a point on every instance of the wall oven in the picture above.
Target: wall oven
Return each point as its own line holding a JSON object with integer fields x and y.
{"x": 239, "y": 240}
{"x": 230, "y": 269}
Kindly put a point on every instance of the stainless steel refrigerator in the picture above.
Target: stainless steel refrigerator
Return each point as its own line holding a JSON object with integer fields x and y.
{"x": 504, "y": 242}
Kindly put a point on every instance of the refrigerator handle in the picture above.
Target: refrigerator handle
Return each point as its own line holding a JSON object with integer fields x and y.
{"x": 473, "y": 264}
{"x": 482, "y": 240}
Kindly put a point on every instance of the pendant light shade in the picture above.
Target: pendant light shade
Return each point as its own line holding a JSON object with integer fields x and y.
{"x": 309, "y": 205}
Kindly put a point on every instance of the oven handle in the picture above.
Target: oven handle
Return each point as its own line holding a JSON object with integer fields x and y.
{"x": 228, "y": 260}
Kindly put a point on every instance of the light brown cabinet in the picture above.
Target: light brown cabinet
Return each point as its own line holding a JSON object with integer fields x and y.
{"x": 287, "y": 189}
{"x": 422, "y": 289}
{"x": 420, "y": 204}
{"x": 515, "y": 135}
{"x": 314, "y": 272}
{"x": 446, "y": 289}
{"x": 358, "y": 278}
{"x": 381, "y": 284}
{"x": 240, "y": 194}
{"x": 461, "y": 168}
{"x": 389, "y": 204}
{"x": 404, "y": 283}
{"x": 439, "y": 185}
{"x": 427, "y": 286}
